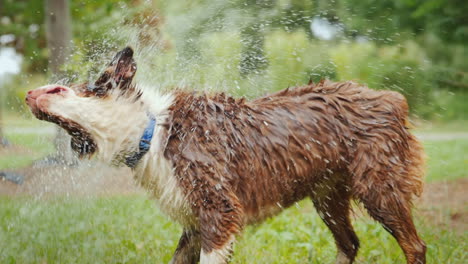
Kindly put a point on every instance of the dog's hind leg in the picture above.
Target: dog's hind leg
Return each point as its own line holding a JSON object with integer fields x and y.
{"x": 332, "y": 201}
{"x": 393, "y": 211}
{"x": 188, "y": 249}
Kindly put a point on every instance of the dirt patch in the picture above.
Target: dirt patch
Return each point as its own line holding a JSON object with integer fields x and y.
{"x": 445, "y": 204}
{"x": 13, "y": 150}
{"x": 8, "y": 188}
{"x": 88, "y": 179}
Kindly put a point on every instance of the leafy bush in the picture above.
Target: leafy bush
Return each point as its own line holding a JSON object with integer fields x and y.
{"x": 294, "y": 59}
{"x": 401, "y": 68}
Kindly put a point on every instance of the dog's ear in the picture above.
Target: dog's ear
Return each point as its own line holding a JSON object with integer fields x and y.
{"x": 123, "y": 67}
{"x": 118, "y": 74}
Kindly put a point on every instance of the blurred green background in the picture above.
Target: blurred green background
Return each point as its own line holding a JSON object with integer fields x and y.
{"x": 251, "y": 47}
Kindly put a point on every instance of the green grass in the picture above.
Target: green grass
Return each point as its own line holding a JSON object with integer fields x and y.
{"x": 131, "y": 230}
{"x": 28, "y": 148}
{"x": 118, "y": 230}
{"x": 29, "y": 145}
{"x": 447, "y": 159}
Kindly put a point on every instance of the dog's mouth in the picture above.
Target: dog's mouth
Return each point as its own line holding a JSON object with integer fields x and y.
{"x": 82, "y": 142}
{"x": 37, "y": 99}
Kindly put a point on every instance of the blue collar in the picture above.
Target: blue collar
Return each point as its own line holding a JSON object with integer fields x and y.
{"x": 145, "y": 143}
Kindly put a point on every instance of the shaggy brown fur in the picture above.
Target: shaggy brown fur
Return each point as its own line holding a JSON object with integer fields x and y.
{"x": 238, "y": 162}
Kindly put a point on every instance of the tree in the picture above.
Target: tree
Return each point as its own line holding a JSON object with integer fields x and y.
{"x": 58, "y": 32}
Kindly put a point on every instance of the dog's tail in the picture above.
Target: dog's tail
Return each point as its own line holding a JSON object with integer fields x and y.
{"x": 389, "y": 160}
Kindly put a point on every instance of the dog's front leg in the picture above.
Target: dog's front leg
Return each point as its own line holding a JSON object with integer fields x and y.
{"x": 219, "y": 224}
{"x": 188, "y": 249}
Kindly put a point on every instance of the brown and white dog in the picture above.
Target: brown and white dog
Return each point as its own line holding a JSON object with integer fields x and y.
{"x": 216, "y": 164}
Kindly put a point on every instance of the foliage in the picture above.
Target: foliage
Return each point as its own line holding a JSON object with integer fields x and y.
{"x": 252, "y": 47}
{"x": 447, "y": 19}
{"x": 24, "y": 19}
{"x": 90, "y": 19}
{"x": 389, "y": 18}
{"x": 387, "y": 67}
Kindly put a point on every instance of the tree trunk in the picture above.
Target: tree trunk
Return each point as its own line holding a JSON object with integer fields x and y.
{"x": 58, "y": 25}
{"x": 3, "y": 140}
{"x": 58, "y": 32}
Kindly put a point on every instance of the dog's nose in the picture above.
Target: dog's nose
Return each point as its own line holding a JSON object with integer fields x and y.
{"x": 28, "y": 95}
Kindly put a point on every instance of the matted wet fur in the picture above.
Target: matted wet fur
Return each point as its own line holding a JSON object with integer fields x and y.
{"x": 217, "y": 163}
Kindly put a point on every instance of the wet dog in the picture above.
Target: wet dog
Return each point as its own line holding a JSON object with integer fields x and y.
{"x": 216, "y": 164}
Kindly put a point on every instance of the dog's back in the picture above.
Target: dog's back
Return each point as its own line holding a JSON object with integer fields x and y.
{"x": 272, "y": 151}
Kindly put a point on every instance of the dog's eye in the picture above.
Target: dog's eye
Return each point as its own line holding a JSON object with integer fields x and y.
{"x": 96, "y": 90}
{"x": 91, "y": 87}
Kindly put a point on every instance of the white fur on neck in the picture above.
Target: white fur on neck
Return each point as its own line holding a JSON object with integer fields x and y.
{"x": 156, "y": 174}
{"x": 157, "y": 102}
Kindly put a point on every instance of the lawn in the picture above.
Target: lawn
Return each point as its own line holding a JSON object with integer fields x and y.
{"x": 30, "y": 138}
{"x": 447, "y": 159}
{"x": 130, "y": 229}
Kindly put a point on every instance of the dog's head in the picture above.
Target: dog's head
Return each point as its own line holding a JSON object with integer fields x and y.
{"x": 117, "y": 76}
{"x": 93, "y": 113}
